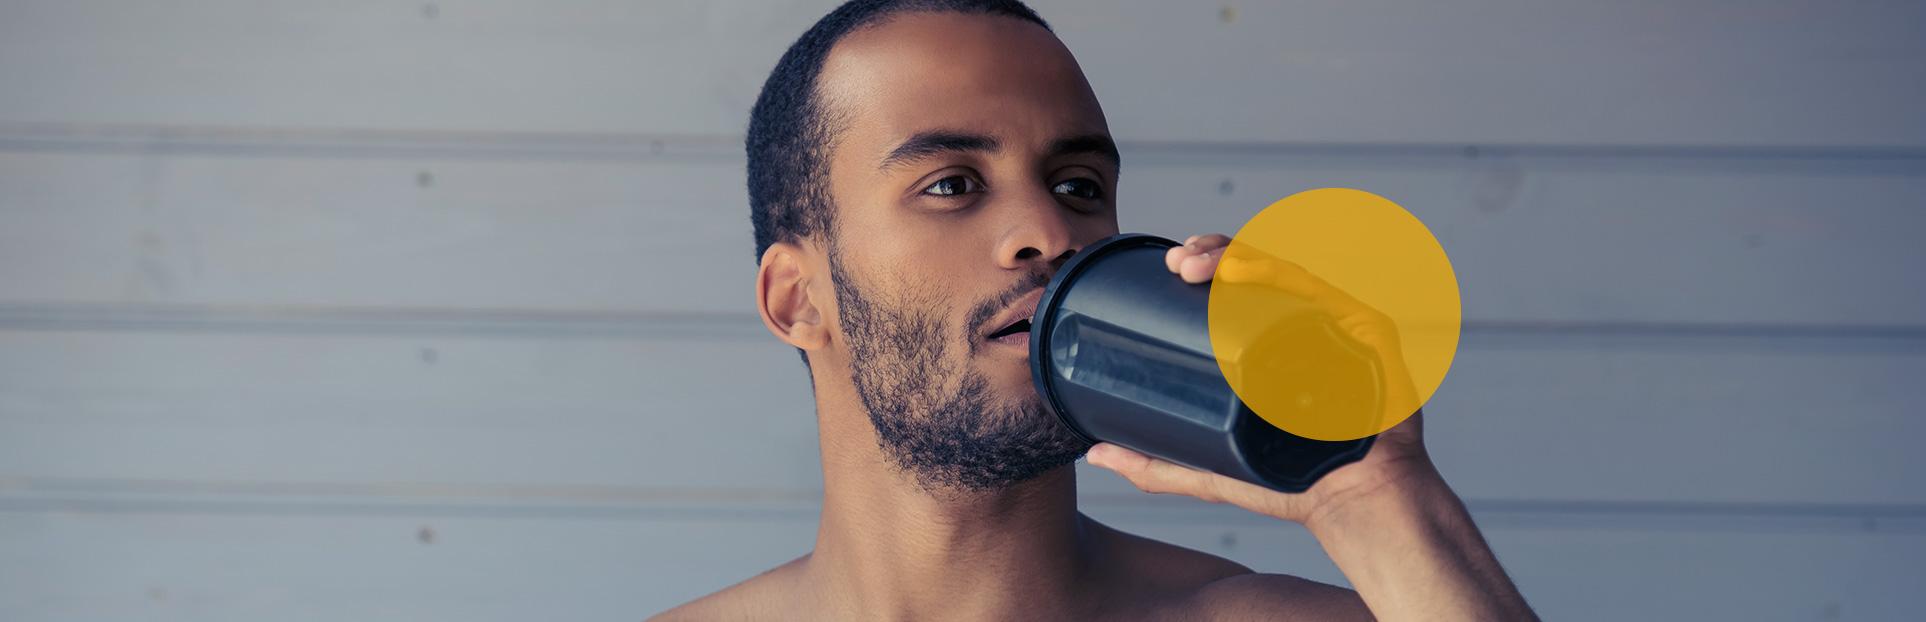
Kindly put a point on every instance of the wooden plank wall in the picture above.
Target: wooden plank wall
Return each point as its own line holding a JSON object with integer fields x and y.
{"x": 355, "y": 310}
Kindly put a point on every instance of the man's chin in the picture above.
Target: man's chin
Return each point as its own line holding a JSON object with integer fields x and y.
{"x": 1025, "y": 409}
{"x": 1010, "y": 381}
{"x": 1020, "y": 442}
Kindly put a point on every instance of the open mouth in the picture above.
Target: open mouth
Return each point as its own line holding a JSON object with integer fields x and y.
{"x": 1017, "y": 327}
{"x": 1016, "y": 332}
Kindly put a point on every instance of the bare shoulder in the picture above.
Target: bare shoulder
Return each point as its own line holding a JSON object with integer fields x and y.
{"x": 766, "y": 596}
{"x": 1162, "y": 567}
{"x": 1181, "y": 583}
{"x": 1263, "y": 596}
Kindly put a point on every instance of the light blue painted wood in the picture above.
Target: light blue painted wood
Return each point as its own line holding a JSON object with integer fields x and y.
{"x": 281, "y": 285}
{"x": 1736, "y": 420}
{"x": 1778, "y": 72}
{"x": 216, "y": 567}
{"x": 1507, "y": 71}
{"x": 1542, "y": 237}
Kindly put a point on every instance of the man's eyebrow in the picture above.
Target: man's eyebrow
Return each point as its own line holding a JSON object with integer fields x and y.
{"x": 1096, "y": 144}
{"x": 926, "y": 144}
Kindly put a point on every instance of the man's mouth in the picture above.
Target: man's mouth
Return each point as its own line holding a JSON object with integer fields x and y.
{"x": 1017, "y": 333}
{"x": 1014, "y": 321}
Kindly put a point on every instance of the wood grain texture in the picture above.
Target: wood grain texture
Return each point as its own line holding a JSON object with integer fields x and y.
{"x": 216, "y": 567}
{"x": 358, "y": 310}
{"x": 1609, "y": 419}
{"x": 1783, "y": 72}
{"x": 1534, "y": 237}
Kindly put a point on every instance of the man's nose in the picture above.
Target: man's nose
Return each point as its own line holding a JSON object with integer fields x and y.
{"x": 1041, "y": 233}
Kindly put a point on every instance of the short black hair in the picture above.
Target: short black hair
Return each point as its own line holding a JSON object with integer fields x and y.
{"x": 789, "y": 136}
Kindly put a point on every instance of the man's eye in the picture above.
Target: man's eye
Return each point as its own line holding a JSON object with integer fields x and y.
{"x": 953, "y": 185}
{"x": 1079, "y": 187}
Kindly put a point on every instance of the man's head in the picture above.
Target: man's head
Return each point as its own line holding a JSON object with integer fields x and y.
{"x": 917, "y": 171}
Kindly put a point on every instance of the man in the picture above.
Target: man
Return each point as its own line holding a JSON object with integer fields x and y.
{"x": 917, "y": 171}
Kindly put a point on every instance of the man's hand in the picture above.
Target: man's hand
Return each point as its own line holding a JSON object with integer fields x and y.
{"x": 1397, "y": 455}
{"x": 1389, "y": 521}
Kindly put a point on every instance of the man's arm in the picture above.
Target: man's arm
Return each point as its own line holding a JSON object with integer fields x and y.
{"x": 1413, "y": 553}
{"x": 1388, "y": 521}
{"x": 1407, "y": 544}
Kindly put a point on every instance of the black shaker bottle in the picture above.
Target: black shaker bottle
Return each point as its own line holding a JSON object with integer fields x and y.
{"x": 1120, "y": 352}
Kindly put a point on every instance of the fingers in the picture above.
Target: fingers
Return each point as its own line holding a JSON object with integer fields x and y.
{"x": 1196, "y": 260}
{"x": 1208, "y": 241}
{"x": 1252, "y": 266}
{"x": 1163, "y": 477}
{"x": 1371, "y": 329}
{"x": 1200, "y": 267}
{"x": 1205, "y": 257}
{"x": 1146, "y": 473}
{"x": 1199, "y": 260}
{"x": 1193, "y": 246}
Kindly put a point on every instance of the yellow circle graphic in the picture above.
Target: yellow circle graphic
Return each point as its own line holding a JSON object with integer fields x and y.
{"x": 1334, "y": 314}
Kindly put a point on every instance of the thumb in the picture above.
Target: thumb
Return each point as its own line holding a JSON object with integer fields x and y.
{"x": 1157, "y": 476}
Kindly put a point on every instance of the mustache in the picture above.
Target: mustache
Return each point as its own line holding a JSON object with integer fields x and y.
{"x": 982, "y": 313}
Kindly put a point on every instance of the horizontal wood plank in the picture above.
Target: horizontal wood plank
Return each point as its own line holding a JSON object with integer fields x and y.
{"x": 213, "y": 567}
{"x": 1534, "y": 237}
{"x": 1730, "y": 420}
{"x": 1784, "y": 72}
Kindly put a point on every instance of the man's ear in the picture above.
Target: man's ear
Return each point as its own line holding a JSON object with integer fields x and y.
{"x": 783, "y": 296}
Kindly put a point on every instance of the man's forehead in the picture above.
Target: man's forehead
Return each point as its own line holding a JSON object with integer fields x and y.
{"x": 982, "y": 74}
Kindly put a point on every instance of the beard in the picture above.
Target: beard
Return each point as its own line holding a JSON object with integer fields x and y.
{"x": 935, "y": 416}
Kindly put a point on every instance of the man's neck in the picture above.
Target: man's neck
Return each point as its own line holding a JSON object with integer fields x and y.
{"x": 889, "y": 548}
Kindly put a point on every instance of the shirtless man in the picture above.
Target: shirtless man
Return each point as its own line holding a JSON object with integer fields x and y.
{"x": 917, "y": 171}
